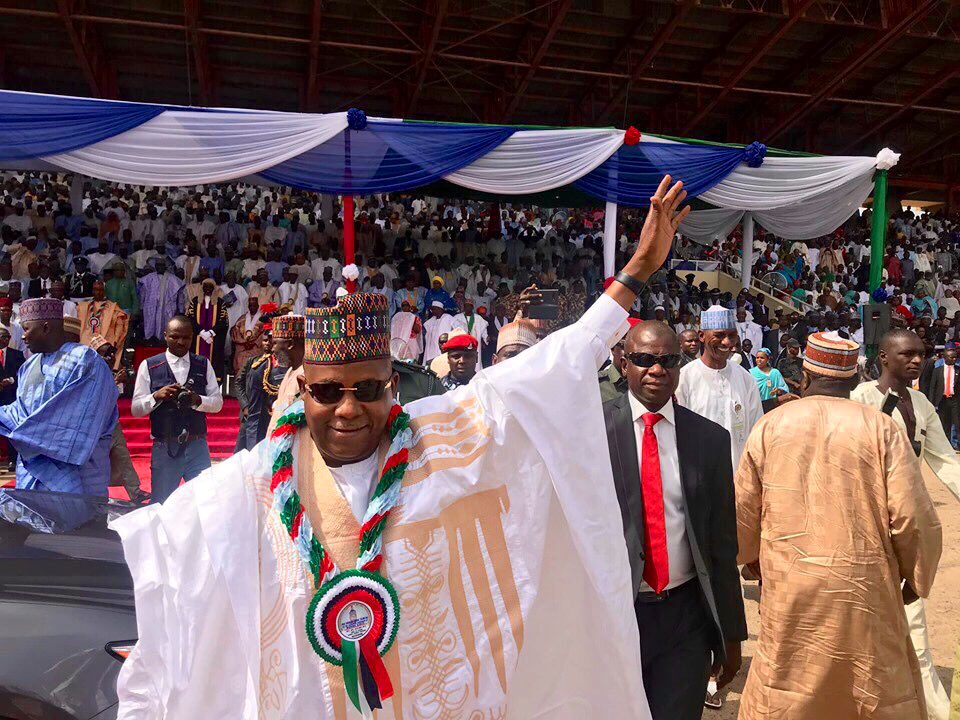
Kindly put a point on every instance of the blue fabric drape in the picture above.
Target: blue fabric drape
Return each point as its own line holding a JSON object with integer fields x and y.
{"x": 631, "y": 175}
{"x": 32, "y": 126}
{"x": 387, "y": 156}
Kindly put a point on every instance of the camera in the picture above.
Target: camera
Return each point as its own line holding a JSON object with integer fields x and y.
{"x": 184, "y": 396}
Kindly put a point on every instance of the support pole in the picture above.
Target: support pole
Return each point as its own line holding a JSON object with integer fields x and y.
{"x": 746, "y": 261}
{"x": 878, "y": 229}
{"x": 349, "y": 242}
{"x": 610, "y": 240}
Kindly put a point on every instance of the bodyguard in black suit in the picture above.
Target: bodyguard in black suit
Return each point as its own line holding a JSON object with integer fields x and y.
{"x": 682, "y": 540}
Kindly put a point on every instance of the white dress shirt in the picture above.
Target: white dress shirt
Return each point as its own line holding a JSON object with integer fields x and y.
{"x": 674, "y": 513}
{"x": 143, "y": 401}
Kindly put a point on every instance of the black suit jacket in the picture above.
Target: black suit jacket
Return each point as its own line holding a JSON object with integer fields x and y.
{"x": 706, "y": 476}
{"x": 12, "y": 360}
{"x": 935, "y": 388}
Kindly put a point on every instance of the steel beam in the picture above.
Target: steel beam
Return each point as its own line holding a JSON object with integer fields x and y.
{"x": 865, "y": 54}
{"x": 753, "y": 57}
{"x": 945, "y": 78}
{"x": 659, "y": 40}
{"x": 191, "y": 13}
{"x": 100, "y": 78}
{"x": 313, "y": 69}
{"x": 557, "y": 14}
{"x": 431, "y": 35}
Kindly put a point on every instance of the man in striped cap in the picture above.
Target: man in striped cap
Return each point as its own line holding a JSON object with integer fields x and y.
{"x": 831, "y": 500}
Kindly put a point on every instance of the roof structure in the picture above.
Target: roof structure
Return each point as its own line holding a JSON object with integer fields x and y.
{"x": 823, "y": 76}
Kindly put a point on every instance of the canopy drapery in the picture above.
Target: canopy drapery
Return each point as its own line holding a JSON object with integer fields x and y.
{"x": 349, "y": 154}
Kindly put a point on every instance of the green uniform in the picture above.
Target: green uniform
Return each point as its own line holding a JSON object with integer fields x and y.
{"x": 416, "y": 382}
{"x": 612, "y": 383}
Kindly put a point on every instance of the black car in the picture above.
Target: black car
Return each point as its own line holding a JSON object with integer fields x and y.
{"x": 66, "y": 606}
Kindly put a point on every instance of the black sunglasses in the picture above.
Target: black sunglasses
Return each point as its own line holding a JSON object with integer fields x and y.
{"x": 330, "y": 393}
{"x": 648, "y": 360}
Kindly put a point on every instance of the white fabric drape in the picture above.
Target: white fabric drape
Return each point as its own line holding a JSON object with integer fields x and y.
{"x": 183, "y": 147}
{"x": 781, "y": 182}
{"x": 705, "y": 226}
{"x": 819, "y": 215}
{"x": 746, "y": 251}
{"x": 531, "y": 161}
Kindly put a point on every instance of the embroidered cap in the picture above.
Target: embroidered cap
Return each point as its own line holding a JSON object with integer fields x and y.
{"x": 41, "y": 309}
{"x": 288, "y": 326}
{"x": 71, "y": 325}
{"x": 357, "y": 328}
{"x": 520, "y": 332}
{"x": 830, "y": 355}
{"x": 717, "y": 318}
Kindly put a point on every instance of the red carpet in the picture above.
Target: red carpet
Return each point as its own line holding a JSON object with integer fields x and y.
{"x": 222, "y": 430}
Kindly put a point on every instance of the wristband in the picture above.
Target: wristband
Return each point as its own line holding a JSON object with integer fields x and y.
{"x": 630, "y": 282}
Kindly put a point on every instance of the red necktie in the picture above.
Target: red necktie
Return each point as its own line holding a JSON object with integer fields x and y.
{"x": 656, "y": 566}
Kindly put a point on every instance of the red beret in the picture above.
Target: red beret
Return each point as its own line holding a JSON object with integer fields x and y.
{"x": 633, "y": 322}
{"x": 460, "y": 342}
{"x": 6, "y": 302}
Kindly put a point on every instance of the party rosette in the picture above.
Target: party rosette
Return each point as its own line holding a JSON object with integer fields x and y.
{"x": 352, "y": 622}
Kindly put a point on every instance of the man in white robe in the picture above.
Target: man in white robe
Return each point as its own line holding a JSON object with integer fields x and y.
{"x": 749, "y": 330}
{"x": 439, "y": 323}
{"x": 506, "y": 547}
{"x": 474, "y": 324}
{"x": 406, "y": 335}
{"x": 901, "y": 358}
{"x": 718, "y": 389}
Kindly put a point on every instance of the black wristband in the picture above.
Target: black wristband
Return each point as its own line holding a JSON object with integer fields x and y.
{"x": 630, "y": 281}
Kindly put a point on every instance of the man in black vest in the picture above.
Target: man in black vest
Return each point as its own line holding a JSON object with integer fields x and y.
{"x": 674, "y": 482}
{"x": 175, "y": 389}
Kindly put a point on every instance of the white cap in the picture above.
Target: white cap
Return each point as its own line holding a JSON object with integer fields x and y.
{"x": 437, "y": 303}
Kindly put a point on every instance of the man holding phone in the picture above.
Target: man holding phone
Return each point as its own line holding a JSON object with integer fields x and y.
{"x": 176, "y": 389}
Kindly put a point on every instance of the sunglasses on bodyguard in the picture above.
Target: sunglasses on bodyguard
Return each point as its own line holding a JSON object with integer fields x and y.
{"x": 648, "y": 360}
{"x": 330, "y": 393}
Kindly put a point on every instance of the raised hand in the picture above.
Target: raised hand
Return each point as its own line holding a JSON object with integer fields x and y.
{"x": 661, "y": 225}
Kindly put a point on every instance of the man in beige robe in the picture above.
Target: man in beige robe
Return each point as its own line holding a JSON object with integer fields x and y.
{"x": 103, "y": 317}
{"x": 839, "y": 517}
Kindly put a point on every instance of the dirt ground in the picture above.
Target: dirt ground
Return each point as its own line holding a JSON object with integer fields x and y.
{"x": 943, "y": 607}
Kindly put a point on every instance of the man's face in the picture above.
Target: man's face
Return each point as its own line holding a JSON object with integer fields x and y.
{"x": 510, "y": 351}
{"x": 179, "y": 337}
{"x": 4, "y": 339}
{"x": 741, "y": 315}
{"x": 747, "y": 346}
{"x": 5, "y": 315}
{"x": 463, "y": 364}
{"x": 793, "y": 350}
{"x": 266, "y": 343}
{"x": 904, "y": 358}
{"x": 281, "y": 348}
{"x": 35, "y": 334}
{"x": 348, "y": 430}
{"x": 689, "y": 342}
{"x": 98, "y": 293}
{"x": 653, "y": 386}
{"x": 719, "y": 344}
{"x": 57, "y": 290}
{"x": 253, "y": 304}
{"x": 950, "y": 357}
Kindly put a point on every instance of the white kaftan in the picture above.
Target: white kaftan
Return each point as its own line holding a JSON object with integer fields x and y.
{"x": 433, "y": 328}
{"x": 506, "y": 550}
{"x": 729, "y": 397}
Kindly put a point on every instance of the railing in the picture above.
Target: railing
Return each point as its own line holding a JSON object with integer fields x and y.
{"x": 734, "y": 271}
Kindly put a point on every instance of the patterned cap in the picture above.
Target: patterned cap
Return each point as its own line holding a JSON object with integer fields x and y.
{"x": 830, "y": 355}
{"x": 41, "y": 309}
{"x": 717, "y": 318}
{"x": 356, "y": 329}
{"x": 519, "y": 332}
{"x": 288, "y": 326}
{"x": 97, "y": 341}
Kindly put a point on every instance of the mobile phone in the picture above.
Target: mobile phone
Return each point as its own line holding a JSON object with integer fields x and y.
{"x": 549, "y": 309}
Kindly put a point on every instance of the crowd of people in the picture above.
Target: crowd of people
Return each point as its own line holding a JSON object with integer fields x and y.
{"x": 702, "y": 396}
